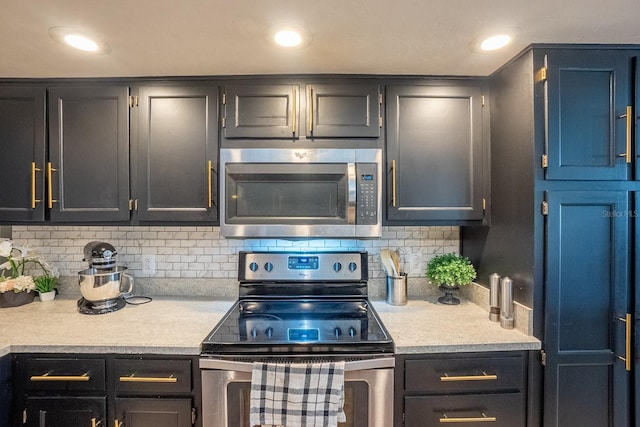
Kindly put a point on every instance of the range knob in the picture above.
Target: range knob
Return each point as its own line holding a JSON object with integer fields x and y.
{"x": 253, "y": 266}
{"x": 254, "y": 333}
{"x": 337, "y": 332}
{"x": 352, "y": 331}
{"x": 269, "y": 332}
{"x": 337, "y": 267}
{"x": 353, "y": 266}
{"x": 268, "y": 266}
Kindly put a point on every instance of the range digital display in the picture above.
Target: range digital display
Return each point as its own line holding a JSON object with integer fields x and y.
{"x": 307, "y": 334}
{"x": 303, "y": 263}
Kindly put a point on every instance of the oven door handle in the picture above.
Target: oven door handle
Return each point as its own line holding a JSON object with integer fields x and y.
{"x": 354, "y": 365}
{"x": 351, "y": 193}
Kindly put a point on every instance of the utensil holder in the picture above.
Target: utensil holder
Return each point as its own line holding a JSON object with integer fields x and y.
{"x": 397, "y": 289}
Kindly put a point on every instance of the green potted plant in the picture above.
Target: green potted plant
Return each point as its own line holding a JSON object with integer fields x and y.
{"x": 46, "y": 286}
{"x": 450, "y": 271}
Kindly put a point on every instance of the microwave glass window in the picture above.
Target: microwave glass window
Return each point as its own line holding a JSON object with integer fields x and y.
{"x": 268, "y": 194}
{"x": 288, "y": 199}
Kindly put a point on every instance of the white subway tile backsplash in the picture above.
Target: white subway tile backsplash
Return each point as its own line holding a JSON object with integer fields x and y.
{"x": 199, "y": 252}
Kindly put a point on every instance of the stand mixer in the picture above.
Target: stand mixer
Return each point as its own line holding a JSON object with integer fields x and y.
{"x": 101, "y": 285}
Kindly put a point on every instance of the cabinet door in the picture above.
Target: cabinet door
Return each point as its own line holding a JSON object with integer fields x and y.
{"x": 5, "y": 389}
{"x": 261, "y": 111}
{"x": 177, "y": 153}
{"x": 65, "y": 411}
{"x": 154, "y": 412}
{"x": 586, "y": 292}
{"x": 22, "y": 144}
{"x": 89, "y": 153}
{"x": 587, "y": 95}
{"x": 343, "y": 111}
{"x": 434, "y": 153}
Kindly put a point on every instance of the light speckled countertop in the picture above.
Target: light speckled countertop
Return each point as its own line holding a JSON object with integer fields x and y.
{"x": 425, "y": 326}
{"x": 171, "y": 325}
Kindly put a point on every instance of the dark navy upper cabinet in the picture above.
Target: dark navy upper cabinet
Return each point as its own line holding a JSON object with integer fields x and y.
{"x": 590, "y": 119}
{"x": 343, "y": 111}
{"x": 22, "y": 144}
{"x": 434, "y": 153}
{"x": 88, "y": 167}
{"x": 587, "y": 297}
{"x": 177, "y": 153}
{"x": 265, "y": 111}
{"x": 297, "y": 110}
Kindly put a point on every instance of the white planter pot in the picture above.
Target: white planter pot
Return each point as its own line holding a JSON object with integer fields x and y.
{"x": 47, "y": 296}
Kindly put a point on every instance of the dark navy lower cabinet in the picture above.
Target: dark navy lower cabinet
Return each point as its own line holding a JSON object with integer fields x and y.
{"x": 104, "y": 390}
{"x": 141, "y": 412}
{"x": 64, "y": 411}
{"x": 5, "y": 390}
{"x": 588, "y": 287}
{"x": 461, "y": 388}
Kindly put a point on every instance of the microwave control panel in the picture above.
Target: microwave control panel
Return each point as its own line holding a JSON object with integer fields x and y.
{"x": 367, "y": 193}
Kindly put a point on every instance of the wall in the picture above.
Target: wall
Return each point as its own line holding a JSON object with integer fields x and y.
{"x": 196, "y": 261}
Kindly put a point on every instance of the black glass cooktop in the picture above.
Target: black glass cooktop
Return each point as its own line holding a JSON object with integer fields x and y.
{"x": 299, "y": 326}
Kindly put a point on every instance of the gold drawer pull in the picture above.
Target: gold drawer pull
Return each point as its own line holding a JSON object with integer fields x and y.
{"x": 133, "y": 379}
{"x": 483, "y": 419}
{"x": 95, "y": 422}
{"x": 483, "y": 377}
{"x": 47, "y": 377}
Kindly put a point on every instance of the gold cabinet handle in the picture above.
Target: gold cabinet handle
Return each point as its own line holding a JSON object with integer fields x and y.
{"x": 482, "y": 419}
{"x": 483, "y": 377}
{"x": 117, "y": 423}
{"x": 133, "y": 379}
{"x": 47, "y": 377}
{"x": 50, "y": 170}
{"x": 627, "y": 342}
{"x": 629, "y": 117}
{"x": 310, "y": 108}
{"x": 209, "y": 195}
{"x": 393, "y": 183}
{"x": 95, "y": 422}
{"x": 294, "y": 111}
{"x": 34, "y": 169}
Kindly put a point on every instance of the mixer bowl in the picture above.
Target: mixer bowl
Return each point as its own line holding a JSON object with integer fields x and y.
{"x": 97, "y": 285}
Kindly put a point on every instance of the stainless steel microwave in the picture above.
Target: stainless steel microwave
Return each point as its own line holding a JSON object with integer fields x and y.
{"x": 300, "y": 193}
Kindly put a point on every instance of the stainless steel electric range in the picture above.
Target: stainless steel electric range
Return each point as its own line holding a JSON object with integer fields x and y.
{"x": 295, "y": 307}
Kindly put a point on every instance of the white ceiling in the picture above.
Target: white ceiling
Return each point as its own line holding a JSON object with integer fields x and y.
{"x": 228, "y": 37}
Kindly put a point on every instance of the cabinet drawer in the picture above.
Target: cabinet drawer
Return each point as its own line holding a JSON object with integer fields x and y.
{"x": 152, "y": 376}
{"x": 64, "y": 374}
{"x": 470, "y": 374}
{"x": 498, "y": 409}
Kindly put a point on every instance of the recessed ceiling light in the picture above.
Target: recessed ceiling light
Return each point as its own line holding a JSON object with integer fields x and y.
{"x": 81, "y": 42}
{"x": 78, "y": 39}
{"x": 495, "y": 42}
{"x": 288, "y": 38}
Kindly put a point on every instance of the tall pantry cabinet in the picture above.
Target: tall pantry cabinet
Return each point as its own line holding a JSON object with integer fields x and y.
{"x": 564, "y": 224}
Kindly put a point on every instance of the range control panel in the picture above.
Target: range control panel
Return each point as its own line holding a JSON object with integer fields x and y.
{"x": 302, "y": 267}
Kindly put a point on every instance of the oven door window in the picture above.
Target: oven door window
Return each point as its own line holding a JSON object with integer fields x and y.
{"x": 259, "y": 193}
{"x": 356, "y": 404}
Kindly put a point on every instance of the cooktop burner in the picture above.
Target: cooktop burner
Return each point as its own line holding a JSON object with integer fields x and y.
{"x": 300, "y": 303}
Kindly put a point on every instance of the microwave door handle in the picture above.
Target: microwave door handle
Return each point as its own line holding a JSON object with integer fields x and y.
{"x": 351, "y": 193}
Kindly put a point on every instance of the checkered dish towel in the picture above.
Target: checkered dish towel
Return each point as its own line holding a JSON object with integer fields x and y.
{"x": 297, "y": 394}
